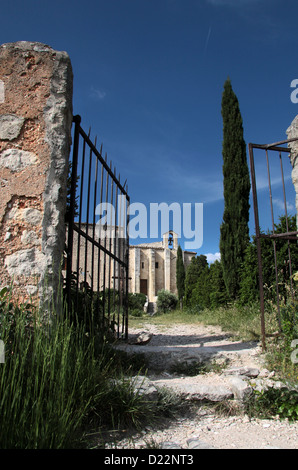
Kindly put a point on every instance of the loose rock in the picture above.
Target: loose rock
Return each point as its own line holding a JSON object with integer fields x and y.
{"x": 243, "y": 371}
{"x": 142, "y": 338}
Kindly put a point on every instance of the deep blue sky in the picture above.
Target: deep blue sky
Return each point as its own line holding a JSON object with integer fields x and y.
{"x": 149, "y": 76}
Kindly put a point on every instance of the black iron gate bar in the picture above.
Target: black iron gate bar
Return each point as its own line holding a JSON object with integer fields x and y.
{"x": 116, "y": 250}
{"x": 285, "y": 236}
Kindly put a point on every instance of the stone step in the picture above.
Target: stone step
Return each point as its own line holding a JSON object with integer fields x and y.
{"x": 187, "y": 390}
{"x": 166, "y": 358}
{"x": 194, "y": 391}
{"x": 211, "y": 387}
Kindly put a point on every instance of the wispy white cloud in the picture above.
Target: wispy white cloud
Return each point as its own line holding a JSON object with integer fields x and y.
{"x": 275, "y": 179}
{"x": 207, "y": 39}
{"x": 257, "y": 14}
{"x": 97, "y": 93}
{"x": 207, "y": 187}
{"x": 281, "y": 205}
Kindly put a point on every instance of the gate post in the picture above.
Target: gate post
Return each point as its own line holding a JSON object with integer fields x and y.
{"x": 35, "y": 139}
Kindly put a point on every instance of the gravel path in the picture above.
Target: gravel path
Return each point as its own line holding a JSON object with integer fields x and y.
{"x": 200, "y": 426}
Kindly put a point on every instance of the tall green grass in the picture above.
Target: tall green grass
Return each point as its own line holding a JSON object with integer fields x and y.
{"x": 244, "y": 322}
{"x": 45, "y": 390}
{"x": 57, "y": 381}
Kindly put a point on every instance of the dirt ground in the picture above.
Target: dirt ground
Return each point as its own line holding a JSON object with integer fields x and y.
{"x": 200, "y": 423}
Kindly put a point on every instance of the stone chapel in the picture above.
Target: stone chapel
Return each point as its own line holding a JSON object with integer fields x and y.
{"x": 152, "y": 266}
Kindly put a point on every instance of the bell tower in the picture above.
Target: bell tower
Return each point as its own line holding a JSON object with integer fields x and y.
{"x": 170, "y": 240}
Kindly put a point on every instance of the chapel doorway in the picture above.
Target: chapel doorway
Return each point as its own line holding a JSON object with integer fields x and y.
{"x": 143, "y": 286}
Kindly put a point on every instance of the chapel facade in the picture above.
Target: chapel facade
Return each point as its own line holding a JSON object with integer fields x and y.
{"x": 152, "y": 266}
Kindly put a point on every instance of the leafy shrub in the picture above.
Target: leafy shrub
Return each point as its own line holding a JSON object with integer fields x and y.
{"x": 166, "y": 301}
{"x": 271, "y": 402}
{"x": 289, "y": 320}
{"x": 136, "y": 312}
{"x": 136, "y": 301}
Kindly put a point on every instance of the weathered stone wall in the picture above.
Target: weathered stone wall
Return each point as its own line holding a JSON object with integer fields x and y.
{"x": 35, "y": 139}
{"x": 292, "y": 132}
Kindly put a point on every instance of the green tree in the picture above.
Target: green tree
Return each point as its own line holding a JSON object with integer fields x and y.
{"x": 180, "y": 275}
{"x": 217, "y": 289}
{"x": 282, "y": 250}
{"x": 210, "y": 290}
{"x": 234, "y": 232}
{"x": 249, "y": 285}
{"x": 193, "y": 272}
{"x": 200, "y": 296}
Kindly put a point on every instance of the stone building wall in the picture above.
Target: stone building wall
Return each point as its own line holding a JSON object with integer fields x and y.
{"x": 152, "y": 266}
{"x": 92, "y": 265}
{"x": 35, "y": 139}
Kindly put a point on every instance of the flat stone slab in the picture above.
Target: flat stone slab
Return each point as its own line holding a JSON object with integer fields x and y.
{"x": 194, "y": 443}
{"x": 165, "y": 357}
{"x": 196, "y": 390}
{"x": 249, "y": 372}
{"x": 164, "y": 351}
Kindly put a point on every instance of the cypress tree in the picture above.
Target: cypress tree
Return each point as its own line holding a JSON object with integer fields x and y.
{"x": 234, "y": 232}
{"x": 180, "y": 275}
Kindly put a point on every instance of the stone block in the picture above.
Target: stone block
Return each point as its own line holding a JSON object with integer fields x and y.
{"x": 249, "y": 372}
{"x": 32, "y": 216}
{"x": 169, "y": 445}
{"x": 201, "y": 392}
{"x": 16, "y": 160}
{"x": 10, "y": 126}
{"x": 144, "y": 387}
{"x": 26, "y": 263}
{"x": 240, "y": 388}
{"x": 30, "y": 238}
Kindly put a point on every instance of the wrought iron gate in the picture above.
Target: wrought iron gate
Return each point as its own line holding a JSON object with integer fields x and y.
{"x": 97, "y": 237}
{"x": 277, "y": 149}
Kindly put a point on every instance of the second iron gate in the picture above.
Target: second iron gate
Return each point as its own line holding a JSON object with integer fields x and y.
{"x": 276, "y": 150}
